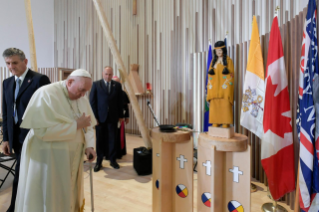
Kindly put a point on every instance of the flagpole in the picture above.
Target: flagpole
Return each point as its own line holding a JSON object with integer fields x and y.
{"x": 273, "y": 207}
{"x": 253, "y": 187}
{"x": 297, "y": 206}
{"x": 225, "y": 40}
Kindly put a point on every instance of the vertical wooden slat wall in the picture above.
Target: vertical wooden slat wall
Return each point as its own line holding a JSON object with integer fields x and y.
{"x": 161, "y": 38}
{"x": 168, "y": 39}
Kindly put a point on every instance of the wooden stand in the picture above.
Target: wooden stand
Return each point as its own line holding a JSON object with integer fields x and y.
{"x": 172, "y": 171}
{"x": 223, "y": 173}
{"x": 221, "y": 132}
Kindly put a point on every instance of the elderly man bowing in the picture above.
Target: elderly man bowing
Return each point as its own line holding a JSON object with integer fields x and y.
{"x": 60, "y": 120}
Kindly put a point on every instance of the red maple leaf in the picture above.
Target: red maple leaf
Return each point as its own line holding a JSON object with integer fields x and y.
{"x": 275, "y": 106}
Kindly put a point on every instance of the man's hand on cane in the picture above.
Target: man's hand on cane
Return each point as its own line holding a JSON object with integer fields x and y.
{"x": 90, "y": 151}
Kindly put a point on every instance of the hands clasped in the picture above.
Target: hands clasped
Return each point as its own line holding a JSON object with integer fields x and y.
{"x": 83, "y": 121}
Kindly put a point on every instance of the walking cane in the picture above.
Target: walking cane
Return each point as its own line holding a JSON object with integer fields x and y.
{"x": 91, "y": 183}
{"x": 91, "y": 178}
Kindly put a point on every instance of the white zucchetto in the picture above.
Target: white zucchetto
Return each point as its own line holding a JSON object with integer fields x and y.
{"x": 80, "y": 73}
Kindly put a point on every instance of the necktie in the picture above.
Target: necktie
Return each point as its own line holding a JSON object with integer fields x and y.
{"x": 15, "y": 99}
{"x": 107, "y": 86}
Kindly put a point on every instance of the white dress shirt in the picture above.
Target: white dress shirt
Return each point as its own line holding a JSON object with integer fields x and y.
{"x": 21, "y": 77}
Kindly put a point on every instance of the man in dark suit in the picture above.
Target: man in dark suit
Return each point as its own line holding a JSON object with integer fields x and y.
{"x": 106, "y": 101}
{"x": 17, "y": 91}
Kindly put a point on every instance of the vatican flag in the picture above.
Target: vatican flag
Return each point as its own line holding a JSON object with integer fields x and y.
{"x": 252, "y": 110}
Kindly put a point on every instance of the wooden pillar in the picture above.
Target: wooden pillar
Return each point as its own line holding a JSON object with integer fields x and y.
{"x": 33, "y": 55}
{"x": 297, "y": 205}
{"x": 223, "y": 174}
{"x": 134, "y": 7}
{"x": 172, "y": 171}
{"x": 128, "y": 84}
{"x": 135, "y": 80}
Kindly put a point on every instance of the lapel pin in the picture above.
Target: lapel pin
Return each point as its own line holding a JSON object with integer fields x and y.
{"x": 29, "y": 81}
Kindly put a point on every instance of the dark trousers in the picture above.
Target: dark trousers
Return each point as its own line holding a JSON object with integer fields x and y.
{"x": 105, "y": 141}
{"x": 17, "y": 147}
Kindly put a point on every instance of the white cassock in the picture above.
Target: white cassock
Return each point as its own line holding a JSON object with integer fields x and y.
{"x": 51, "y": 170}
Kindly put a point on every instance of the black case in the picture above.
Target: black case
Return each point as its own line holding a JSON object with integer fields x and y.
{"x": 142, "y": 160}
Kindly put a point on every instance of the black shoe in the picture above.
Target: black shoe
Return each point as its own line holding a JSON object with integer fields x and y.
{"x": 97, "y": 167}
{"x": 115, "y": 165}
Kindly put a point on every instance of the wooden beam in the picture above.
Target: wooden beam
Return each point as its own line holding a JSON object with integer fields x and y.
{"x": 296, "y": 205}
{"x": 33, "y": 55}
{"x": 118, "y": 59}
{"x": 134, "y": 7}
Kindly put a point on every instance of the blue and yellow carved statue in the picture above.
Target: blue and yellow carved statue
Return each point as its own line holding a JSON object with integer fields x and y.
{"x": 220, "y": 87}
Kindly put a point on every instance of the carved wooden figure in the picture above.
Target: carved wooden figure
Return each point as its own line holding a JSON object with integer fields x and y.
{"x": 220, "y": 87}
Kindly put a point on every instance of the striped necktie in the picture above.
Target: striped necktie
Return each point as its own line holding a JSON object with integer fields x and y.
{"x": 16, "y": 92}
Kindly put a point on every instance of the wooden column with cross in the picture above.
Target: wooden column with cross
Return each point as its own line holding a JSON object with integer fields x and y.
{"x": 172, "y": 171}
{"x": 223, "y": 171}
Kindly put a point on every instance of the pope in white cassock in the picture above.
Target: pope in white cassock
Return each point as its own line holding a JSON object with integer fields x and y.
{"x": 61, "y": 122}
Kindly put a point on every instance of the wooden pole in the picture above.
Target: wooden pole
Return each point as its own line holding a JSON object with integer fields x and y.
{"x": 33, "y": 56}
{"x": 134, "y": 7}
{"x": 128, "y": 85}
{"x": 297, "y": 206}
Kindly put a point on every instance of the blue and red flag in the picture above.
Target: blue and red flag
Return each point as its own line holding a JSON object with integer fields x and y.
{"x": 306, "y": 116}
{"x": 206, "y": 114}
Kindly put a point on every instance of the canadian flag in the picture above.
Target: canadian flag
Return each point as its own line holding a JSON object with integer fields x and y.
{"x": 277, "y": 153}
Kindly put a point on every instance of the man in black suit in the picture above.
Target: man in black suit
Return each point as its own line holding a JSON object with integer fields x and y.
{"x": 17, "y": 91}
{"x": 106, "y": 102}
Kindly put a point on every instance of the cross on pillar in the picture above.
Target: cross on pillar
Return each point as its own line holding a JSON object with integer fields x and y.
{"x": 208, "y": 166}
{"x": 236, "y": 174}
{"x": 182, "y": 160}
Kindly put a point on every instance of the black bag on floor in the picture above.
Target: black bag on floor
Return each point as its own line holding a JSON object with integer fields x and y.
{"x": 142, "y": 160}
